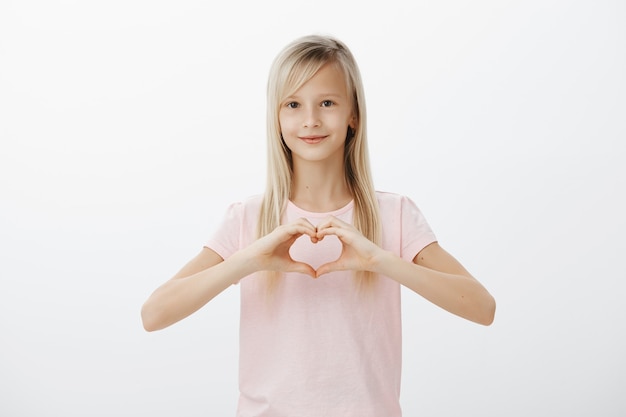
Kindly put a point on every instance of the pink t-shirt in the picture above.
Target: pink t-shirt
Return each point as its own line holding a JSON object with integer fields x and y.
{"x": 318, "y": 347}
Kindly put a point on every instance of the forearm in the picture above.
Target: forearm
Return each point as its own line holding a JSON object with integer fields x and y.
{"x": 459, "y": 294}
{"x": 180, "y": 297}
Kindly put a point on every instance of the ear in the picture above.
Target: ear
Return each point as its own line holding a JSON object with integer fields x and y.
{"x": 352, "y": 122}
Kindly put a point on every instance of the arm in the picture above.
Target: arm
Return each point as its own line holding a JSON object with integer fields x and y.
{"x": 201, "y": 279}
{"x": 207, "y": 275}
{"x": 441, "y": 279}
{"x": 434, "y": 274}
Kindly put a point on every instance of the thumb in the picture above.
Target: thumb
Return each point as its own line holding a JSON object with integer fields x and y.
{"x": 302, "y": 268}
{"x": 327, "y": 268}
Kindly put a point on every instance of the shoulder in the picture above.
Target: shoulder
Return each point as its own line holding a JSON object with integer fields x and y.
{"x": 399, "y": 207}
{"x": 392, "y": 201}
{"x": 405, "y": 228}
{"x": 237, "y": 227}
{"x": 385, "y": 197}
{"x": 244, "y": 210}
{"x": 250, "y": 203}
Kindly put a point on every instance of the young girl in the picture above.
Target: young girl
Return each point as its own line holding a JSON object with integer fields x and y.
{"x": 320, "y": 256}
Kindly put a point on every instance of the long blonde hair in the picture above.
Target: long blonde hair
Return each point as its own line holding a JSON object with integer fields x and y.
{"x": 297, "y": 63}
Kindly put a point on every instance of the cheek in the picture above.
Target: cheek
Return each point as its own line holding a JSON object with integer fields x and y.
{"x": 286, "y": 125}
{"x": 283, "y": 123}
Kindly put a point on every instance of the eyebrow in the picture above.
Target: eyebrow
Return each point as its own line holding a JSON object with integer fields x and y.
{"x": 318, "y": 96}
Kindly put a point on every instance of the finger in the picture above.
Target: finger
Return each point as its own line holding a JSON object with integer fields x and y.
{"x": 302, "y": 268}
{"x": 328, "y": 267}
{"x": 334, "y": 226}
{"x": 304, "y": 222}
{"x": 299, "y": 229}
{"x": 336, "y": 231}
{"x": 327, "y": 222}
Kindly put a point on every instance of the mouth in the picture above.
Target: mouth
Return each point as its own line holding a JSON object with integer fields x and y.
{"x": 312, "y": 139}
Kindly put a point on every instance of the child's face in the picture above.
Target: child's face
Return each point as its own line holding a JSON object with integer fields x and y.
{"x": 315, "y": 119}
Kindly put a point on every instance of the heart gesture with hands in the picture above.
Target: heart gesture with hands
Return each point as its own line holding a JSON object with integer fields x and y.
{"x": 358, "y": 253}
{"x": 271, "y": 252}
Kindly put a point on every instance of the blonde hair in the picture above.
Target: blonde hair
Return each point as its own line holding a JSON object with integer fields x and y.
{"x": 297, "y": 63}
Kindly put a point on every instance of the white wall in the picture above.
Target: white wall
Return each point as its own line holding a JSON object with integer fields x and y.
{"x": 127, "y": 127}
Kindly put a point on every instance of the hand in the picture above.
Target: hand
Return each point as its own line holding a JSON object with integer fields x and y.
{"x": 358, "y": 253}
{"x": 271, "y": 252}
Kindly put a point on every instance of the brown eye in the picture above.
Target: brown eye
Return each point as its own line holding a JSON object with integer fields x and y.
{"x": 293, "y": 105}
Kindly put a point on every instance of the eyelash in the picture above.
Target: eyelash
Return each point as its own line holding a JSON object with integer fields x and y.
{"x": 295, "y": 105}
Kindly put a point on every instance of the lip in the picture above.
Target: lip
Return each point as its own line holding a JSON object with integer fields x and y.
{"x": 312, "y": 139}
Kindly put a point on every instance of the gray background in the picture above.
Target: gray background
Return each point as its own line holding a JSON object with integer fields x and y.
{"x": 127, "y": 127}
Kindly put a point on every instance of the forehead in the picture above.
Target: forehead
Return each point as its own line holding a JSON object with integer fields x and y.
{"x": 328, "y": 79}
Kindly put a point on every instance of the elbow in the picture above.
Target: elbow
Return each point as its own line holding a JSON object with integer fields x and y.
{"x": 488, "y": 311}
{"x": 149, "y": 319}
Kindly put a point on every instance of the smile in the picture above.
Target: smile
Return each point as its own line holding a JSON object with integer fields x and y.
{"x": 312, "y": 139}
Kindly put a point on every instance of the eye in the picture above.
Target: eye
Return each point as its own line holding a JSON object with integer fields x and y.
{"x": 327, "y": 103}
{"x": 292, "y": 105}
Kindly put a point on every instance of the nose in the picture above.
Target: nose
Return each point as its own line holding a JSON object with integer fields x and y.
{"x": 311, "y": 118}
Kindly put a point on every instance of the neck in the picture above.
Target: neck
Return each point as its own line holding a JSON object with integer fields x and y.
{"x": 319, "y": 187}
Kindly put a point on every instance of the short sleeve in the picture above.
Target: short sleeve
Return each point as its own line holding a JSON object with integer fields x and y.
{"x": 226, "y": 239}
{"x": 416, "y": 232}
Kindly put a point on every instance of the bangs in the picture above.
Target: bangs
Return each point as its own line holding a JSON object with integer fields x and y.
{"x": 302, "y": 71}
{"x": 297, "y": 75}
